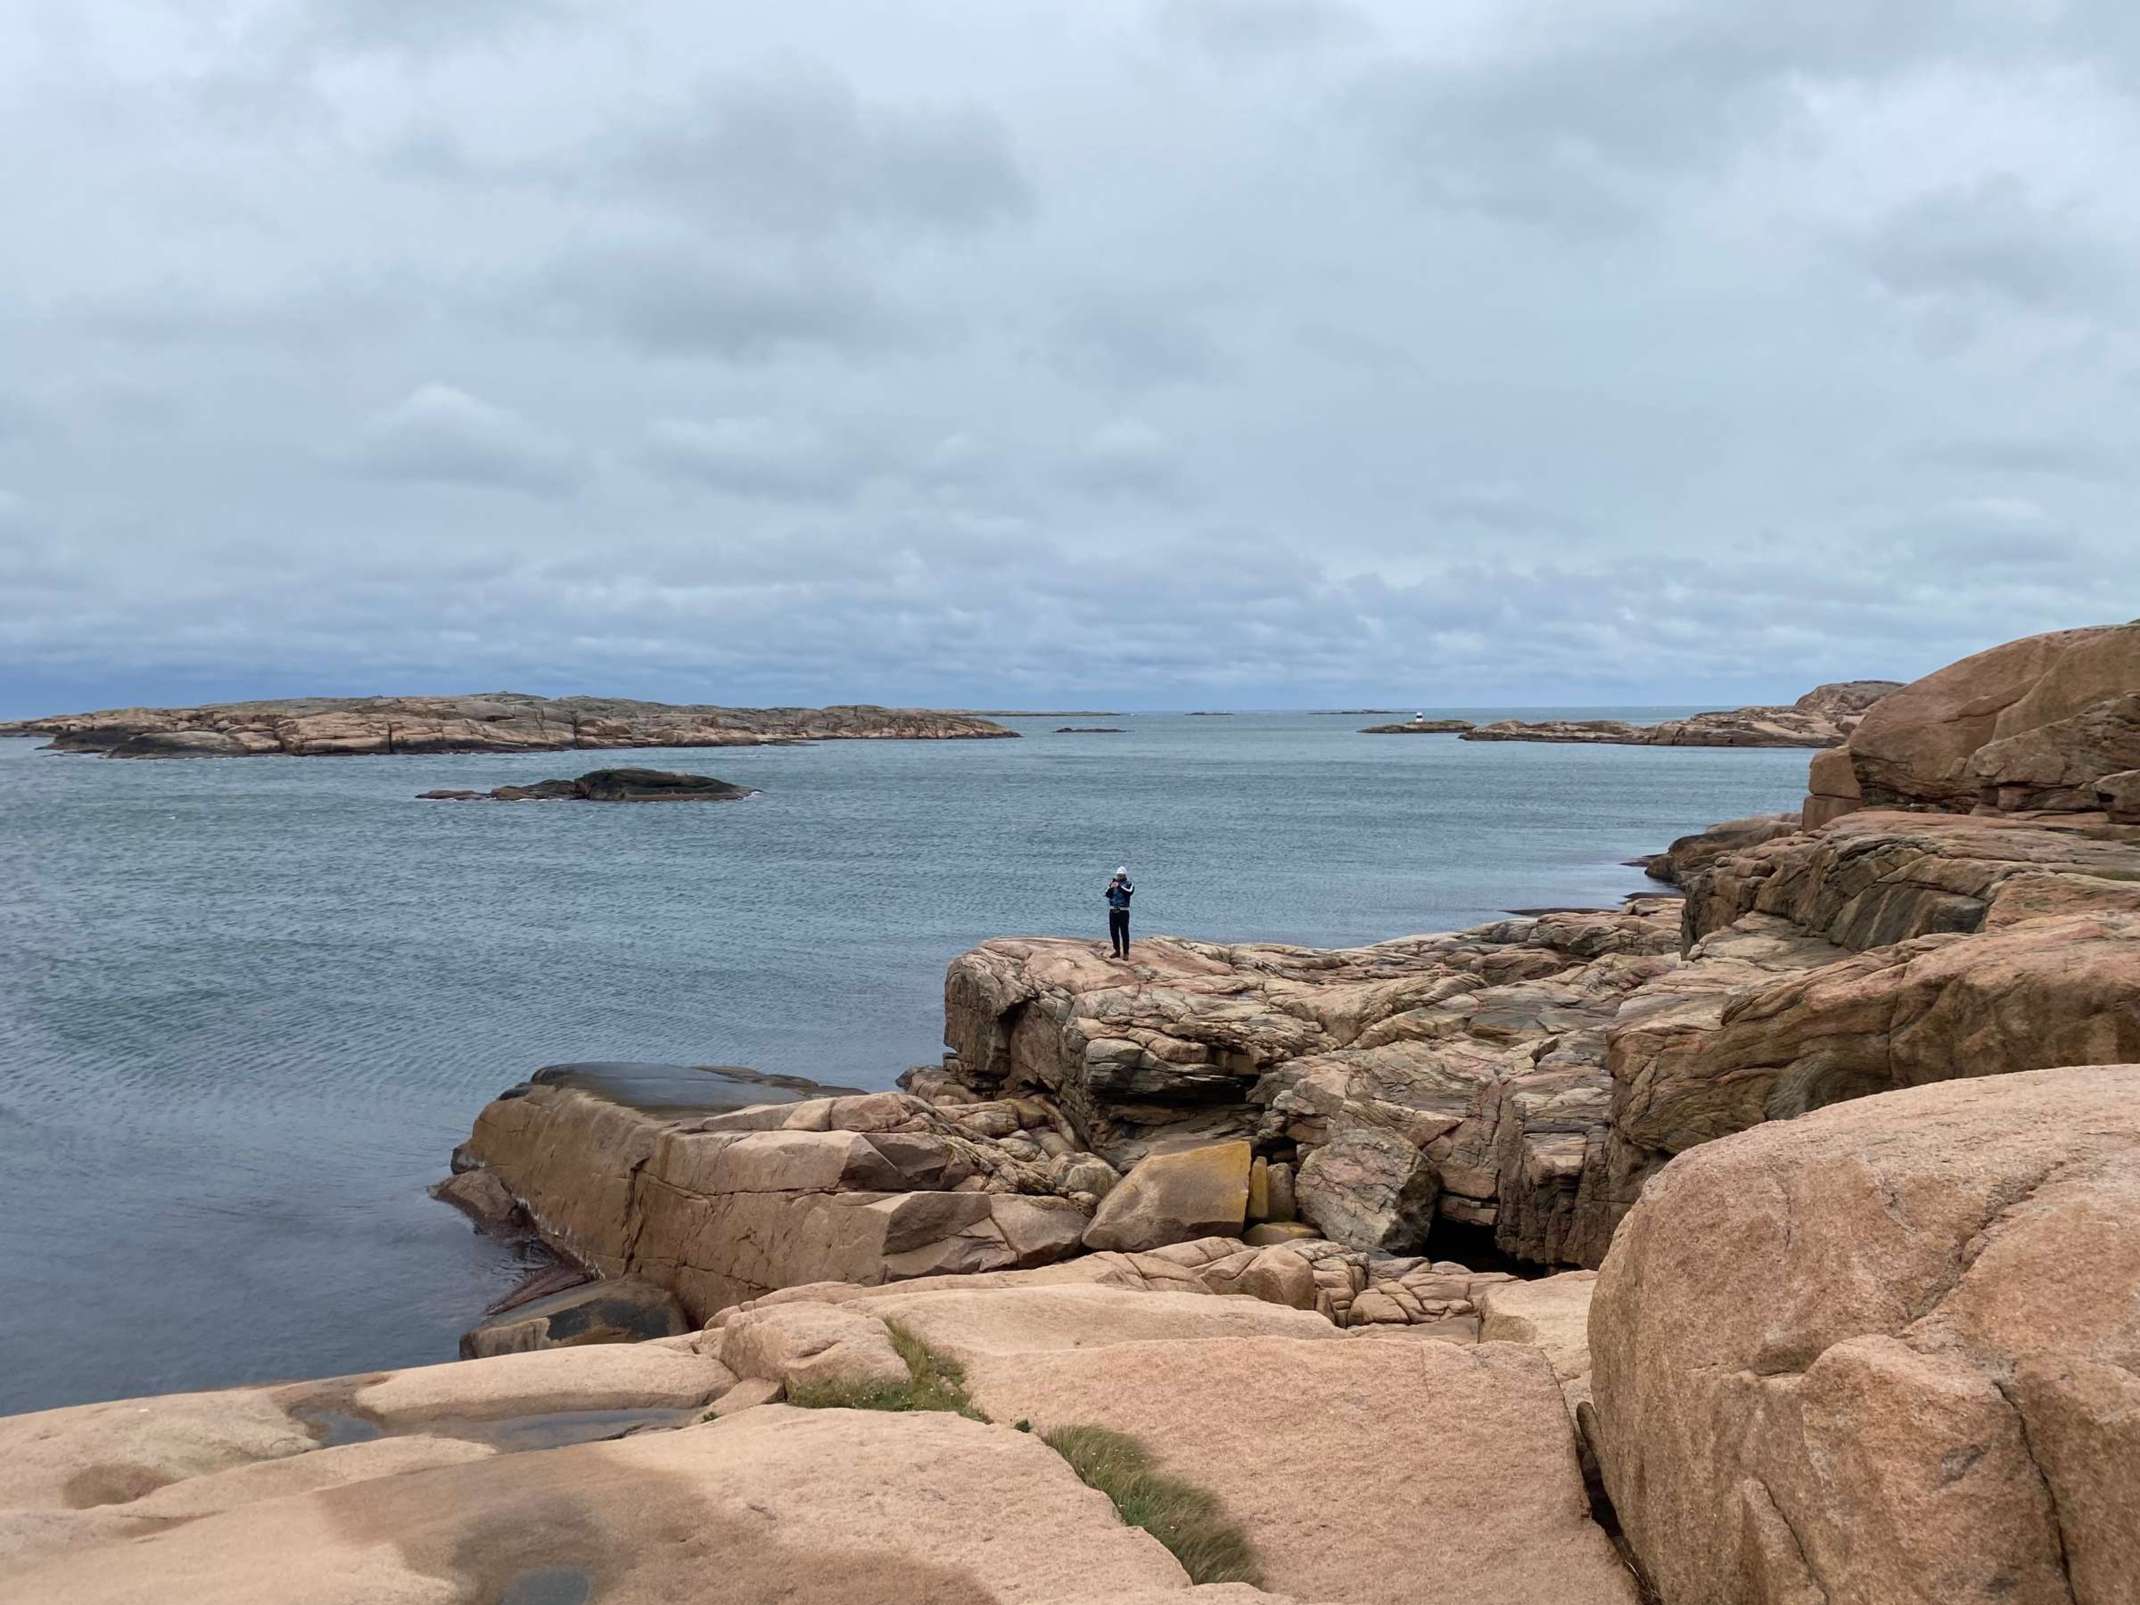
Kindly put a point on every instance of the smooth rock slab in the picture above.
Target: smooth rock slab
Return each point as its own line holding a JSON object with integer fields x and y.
{"x": 1365, "y": 1473}
{"x": 807, "y": 1507}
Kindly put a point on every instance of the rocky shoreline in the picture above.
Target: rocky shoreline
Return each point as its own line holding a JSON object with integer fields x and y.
{"x": 1823, "y": 717}
{"x": 1775, "y": 1242}
{"x": 495, "y": 722}
{"x": 606, "y": 785}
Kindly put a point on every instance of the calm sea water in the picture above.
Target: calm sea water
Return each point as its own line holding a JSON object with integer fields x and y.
{"x": 247, "y": 1007}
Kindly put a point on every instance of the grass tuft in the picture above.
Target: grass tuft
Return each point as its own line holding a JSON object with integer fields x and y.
{"x": 934, "y": 1382}
{"x": 1184, "y": 1517}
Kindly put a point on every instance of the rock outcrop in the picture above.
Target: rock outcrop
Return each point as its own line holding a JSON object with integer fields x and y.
{"x": 606, "y": 785}
{"x": 2036, "y": 724}
{"x": 723, "y": 1208}
{"x": 1420, "y": 727}
{"x": 503, "y": 721}
{"x": 1823, "y": 717}
{"x": 1480, "y": 1054}
{"x": 1886, "y": 1352}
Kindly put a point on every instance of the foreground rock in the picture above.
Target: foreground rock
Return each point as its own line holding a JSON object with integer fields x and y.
{"x": 1823, "y": 717}
{"x": 1384, "y": 1473}
{"x": 1885, "y": 1352}
{"x": 497, "y": 722}
{"x": 626, "y": 1310}
{"x": 607, "y": 785}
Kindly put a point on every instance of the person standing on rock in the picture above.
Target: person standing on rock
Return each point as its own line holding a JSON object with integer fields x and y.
{"x": 1119, "y": 892}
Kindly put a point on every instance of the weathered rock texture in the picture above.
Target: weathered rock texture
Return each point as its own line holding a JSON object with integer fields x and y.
{"x": 1886, "y": 1353}
{"x": 504, "y": 721}
{"x": 607, "y": 785}
{"x": 2038, "y": 723}
{"x": 1823, "y": 717}
{"x": 1461, "y": 1077}
{"x": 723, "y": 1208}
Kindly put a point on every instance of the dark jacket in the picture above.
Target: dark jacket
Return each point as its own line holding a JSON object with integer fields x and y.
{"x": 1119, "y": 893}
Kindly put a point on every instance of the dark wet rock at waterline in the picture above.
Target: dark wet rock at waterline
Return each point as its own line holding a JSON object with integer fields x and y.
{"x": 606, "y": 785}
{"x": 624, "y": 1310}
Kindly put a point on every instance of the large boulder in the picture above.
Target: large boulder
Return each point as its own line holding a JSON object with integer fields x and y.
{"x": 1170, "y": 1198}
{"x": 1368, "y": 1188}
{"x": 1886, "y": 1353}
{"x": 2031, "y": 724}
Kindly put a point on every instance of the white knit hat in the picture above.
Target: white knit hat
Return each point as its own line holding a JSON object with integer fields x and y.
{"x": 1121, "y": 869}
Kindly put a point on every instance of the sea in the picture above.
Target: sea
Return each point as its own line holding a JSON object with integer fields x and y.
{"x": 248, "y": 1006}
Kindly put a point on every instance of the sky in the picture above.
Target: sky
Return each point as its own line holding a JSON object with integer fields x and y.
{"x": 1060, "y": 353}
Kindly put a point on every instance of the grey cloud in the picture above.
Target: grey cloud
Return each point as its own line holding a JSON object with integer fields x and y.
{"x": 421, "y": 26}
{"x": 676, "y": 298}
{"x": 1126, "y": 457}
{"x": 2045, "y": 455}
{"x": 1987, "y": 240}
{"x": 440, "y": 435}
{"x": 758, "y": 456}
{"x": 1132, "y": 342}
{"x": 1232, "y": 30}
{"x": 796, "y": 151}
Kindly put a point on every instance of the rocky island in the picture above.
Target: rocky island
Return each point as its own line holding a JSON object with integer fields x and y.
{"x": 1420, "y": 726}
{"x": 1823, "y": 717}
{"x": 503, "y": 721}
{"x": 606, "y": 785}
{"x": 1772, "y": 1245}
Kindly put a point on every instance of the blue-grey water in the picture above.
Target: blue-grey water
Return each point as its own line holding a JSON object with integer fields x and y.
{"x": 247, "y": 1007}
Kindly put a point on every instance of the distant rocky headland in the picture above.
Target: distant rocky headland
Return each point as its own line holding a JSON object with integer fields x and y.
{"x": 504, "y": 721}
{"x": 606, "y": 785}
{"x": 1770, "y": 1244}
{"x": 1823, "y": 717}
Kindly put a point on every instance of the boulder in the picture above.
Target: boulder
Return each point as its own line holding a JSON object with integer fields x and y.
{"x": 1365, "y": 1473}
{"x": 1698, "y": 851}
{"x": 627, "y": 1310}
{"x": 1369, "y": 1189}
{"x": 1168, "y": 1198}
{"x": 1885, "y": 1352}
{"x": 2032, "y": 724}
{"x": 1550, "y": 1313}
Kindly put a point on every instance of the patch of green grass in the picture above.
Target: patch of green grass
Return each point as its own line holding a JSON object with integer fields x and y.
{"x": 1184, "y": 1517}
{"x": 934, "y": 1382}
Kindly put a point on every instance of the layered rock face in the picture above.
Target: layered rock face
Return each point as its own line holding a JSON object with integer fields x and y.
{"x": 2051, "y": 722}
{"x": 1886, "y": 1352}
{"x": 722, "y": 1208}
{"x": 1823, "y": 717}
{"x": 497, "y": 722}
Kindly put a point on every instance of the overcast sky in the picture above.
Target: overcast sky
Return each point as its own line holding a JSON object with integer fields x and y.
{"x": 1136, "y": 353}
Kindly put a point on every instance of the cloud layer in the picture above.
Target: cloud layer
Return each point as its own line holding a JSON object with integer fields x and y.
{"x": 1138, "y": 352}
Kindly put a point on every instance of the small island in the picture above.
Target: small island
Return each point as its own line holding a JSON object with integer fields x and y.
{"x": 1088, "y": 730}
{"x": 1420, "y": 725}
{"x": 606, "y": 785}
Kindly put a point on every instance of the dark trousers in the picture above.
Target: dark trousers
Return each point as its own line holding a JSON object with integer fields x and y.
{"x": 1118, "y": 931}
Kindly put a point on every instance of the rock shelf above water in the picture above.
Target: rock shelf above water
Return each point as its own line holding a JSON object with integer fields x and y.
{"x": 1823, "y": 717}
{"x": 606, "y": 785}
